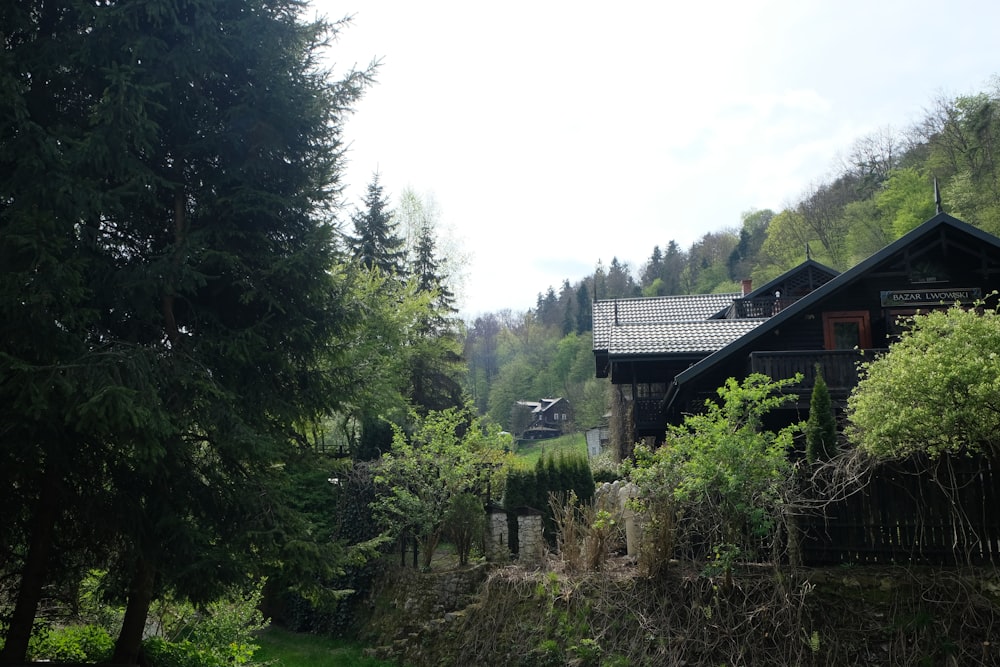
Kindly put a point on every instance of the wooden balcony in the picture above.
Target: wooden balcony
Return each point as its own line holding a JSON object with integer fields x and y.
{"x": 649, "y": 417}
{"x": 839, "y": 367}
{"x": 760, "y": 307}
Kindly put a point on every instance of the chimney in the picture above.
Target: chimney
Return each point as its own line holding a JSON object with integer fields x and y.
{"x": 747, "y": 285}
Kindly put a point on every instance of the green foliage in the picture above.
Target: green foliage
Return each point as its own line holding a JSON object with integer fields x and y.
{"x": 530, "y": 452}
{"x": 376, "y": 243}
{"x": 721, "y": 481}
{"x": 821, "y": 427}
{"x": 464, "y": 523}
{"x": 904, "y": 202}
{"x": 936, "y": 391}
{"x": 447, "y": 454}
{"x": 555, "y": 475}
{"x": 168, "y": 302}
{"x": 784, "y": 246}
{"x": 161, "y": 653}
{"x": 85, "y": 643}
{"x": 221, "y": 632}
{"x": 224, "y": 629}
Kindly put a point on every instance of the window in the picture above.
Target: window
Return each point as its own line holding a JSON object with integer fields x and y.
{"x": 847, "y": 330}
{"x": 651, "y": 390}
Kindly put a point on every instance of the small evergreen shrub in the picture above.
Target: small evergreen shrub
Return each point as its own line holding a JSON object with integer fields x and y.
{"x": 821, "y": 428}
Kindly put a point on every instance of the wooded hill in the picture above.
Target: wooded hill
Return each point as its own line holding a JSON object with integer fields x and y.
{"x": 882, "y": 187}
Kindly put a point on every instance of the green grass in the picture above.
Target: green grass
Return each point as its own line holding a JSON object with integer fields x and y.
{"x": 573, "y": 443}
{"x": 283, "y": 648}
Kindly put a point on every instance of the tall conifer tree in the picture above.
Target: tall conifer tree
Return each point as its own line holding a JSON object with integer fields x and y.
{"x": 166, "y": 304}
{"x": 376, "y": 243}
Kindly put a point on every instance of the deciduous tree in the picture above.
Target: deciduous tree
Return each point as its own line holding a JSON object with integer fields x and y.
{"x": 936, "y": 391}
{"x": 721, "y": 479}
{"x": 447, "y": 455}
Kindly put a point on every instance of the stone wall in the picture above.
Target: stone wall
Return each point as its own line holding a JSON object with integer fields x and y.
{"x": 497, "y": 549}
{"x": 530, "y": 541}
{"x": 614, "y": 497}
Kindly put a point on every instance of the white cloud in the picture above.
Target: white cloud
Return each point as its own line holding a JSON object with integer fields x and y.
{"x": 556, "y": 134}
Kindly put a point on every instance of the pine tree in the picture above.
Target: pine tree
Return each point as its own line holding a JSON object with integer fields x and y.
{"x": 376, "y": 243}
{"x": 585, "y": 314}
{"x": 429, "y": 272}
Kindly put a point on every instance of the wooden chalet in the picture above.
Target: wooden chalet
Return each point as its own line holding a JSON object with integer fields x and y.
{"x": 643, "y": 344}
{"x": 543, "y": 419}
{"x": 905, "y": 514}
{"x": 853, "y": 316}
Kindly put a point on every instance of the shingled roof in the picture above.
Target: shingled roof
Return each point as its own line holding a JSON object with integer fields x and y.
{"x": 613, "y": 314}
{"x": 702, "y": 336}
{"x": 933, "y": 228}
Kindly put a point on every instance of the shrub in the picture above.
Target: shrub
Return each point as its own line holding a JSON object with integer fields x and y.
{"x": 821, "y": 428}
{"x": 161, "y": 653}
{"x": 223, "y": 629}
{"x": 721, "y": 480}
{"x": 82, "y": 643}
{"x": 464, "y": 523}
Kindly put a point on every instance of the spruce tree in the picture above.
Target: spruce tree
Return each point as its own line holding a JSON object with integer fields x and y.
{"x": 376, "y": 243}
{"x": 585, "y": 315}
{"x": 166, "y": 302}
{"x": 821, "y": 428}
{"x": 429, "y": 272}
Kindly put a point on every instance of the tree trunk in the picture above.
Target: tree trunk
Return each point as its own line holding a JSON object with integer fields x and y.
{"x": 140, "y": 596}
{"x": 33, "y": 575}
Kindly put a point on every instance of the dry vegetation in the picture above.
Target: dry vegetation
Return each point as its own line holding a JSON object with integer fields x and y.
{"x": 762, "y": 617}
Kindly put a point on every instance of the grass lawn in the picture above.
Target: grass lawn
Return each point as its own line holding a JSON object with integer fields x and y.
{"x": 283, "y": 648}
{"x": 573, "y": 443}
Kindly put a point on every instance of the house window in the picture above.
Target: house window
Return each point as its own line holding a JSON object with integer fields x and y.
{"x": 651, "y": 390}
{"x": 847, "y": 330}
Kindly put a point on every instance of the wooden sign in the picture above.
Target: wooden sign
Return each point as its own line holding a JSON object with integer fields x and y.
{"x": 931, "y": 297}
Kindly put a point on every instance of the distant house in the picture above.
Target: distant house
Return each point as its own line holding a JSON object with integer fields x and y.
{"x": 536, "y": 420}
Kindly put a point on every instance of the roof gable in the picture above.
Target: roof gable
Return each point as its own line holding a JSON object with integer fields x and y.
{"x": 810, "y": 274}
{"x": 914, "y": 242}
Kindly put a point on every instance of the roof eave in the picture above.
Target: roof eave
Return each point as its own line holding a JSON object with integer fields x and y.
{"x": 840, "y": 281}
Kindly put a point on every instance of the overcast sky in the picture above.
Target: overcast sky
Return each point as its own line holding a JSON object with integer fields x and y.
{"x": 552, "y": 135}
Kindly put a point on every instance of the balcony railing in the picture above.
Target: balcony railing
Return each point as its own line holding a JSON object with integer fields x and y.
{"x": 649, "y": 412}
{"x": 760, "y": 307}
{"x": 839, "y": 367}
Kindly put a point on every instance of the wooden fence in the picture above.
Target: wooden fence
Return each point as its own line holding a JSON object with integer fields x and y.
{"x": 944, "y": 512}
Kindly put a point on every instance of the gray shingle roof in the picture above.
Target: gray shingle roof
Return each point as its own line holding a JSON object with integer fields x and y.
{"x": 703, "y": 336}
{"x": 655, "y": 310}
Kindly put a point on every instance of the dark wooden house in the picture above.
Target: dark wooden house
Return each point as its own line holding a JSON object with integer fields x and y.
{"x": 643, "y": 344}
{"x": 915, "y": 511}
{"x": 538, "y": 420}
{"x": 854, "y": 314}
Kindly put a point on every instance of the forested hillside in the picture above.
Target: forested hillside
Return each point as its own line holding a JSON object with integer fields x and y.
{"x": 881, "y": 187}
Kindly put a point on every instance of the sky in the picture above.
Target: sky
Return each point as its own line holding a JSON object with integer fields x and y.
{"x": 552, "y": 135}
